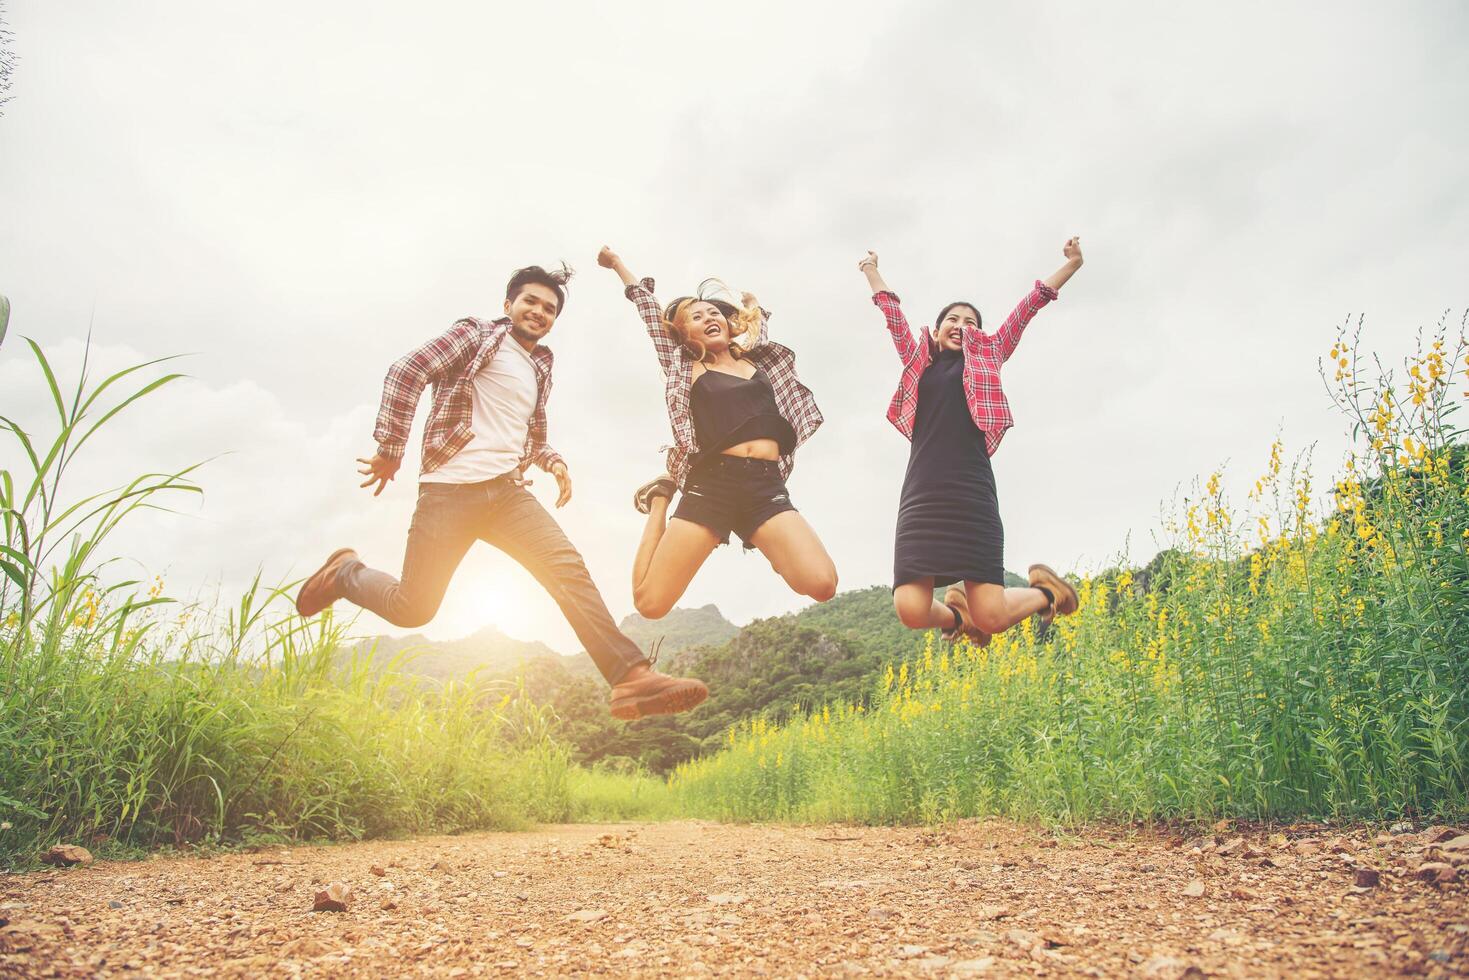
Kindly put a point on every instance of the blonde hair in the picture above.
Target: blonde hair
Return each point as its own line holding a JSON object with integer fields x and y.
{"x": 744, "y": 321}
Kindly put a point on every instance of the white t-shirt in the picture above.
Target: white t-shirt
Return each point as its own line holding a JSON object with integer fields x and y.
{"x": 504, "y": 399}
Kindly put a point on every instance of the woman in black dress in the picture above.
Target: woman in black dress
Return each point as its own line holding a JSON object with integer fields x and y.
{"x": 950, "y": 405}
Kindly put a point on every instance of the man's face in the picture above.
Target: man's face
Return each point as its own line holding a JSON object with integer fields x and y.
{"x": 532, "y": 312}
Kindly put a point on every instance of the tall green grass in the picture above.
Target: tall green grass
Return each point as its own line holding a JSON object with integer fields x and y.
{"x": 129, "y": 721}
{"x": 1282, "y": 658}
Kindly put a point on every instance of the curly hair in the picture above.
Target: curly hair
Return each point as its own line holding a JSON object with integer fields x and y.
{"x": 744, "y": 321}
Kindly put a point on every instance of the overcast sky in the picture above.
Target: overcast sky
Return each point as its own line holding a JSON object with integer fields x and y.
{"x": 296, "y": 194}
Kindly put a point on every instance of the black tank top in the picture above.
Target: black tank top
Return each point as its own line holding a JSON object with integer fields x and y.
{"x": 729, "y": 410}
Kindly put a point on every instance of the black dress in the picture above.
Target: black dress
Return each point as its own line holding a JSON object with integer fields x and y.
{"x": 949, "y": 516}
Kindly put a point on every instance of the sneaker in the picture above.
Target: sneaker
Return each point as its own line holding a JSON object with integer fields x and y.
{"x": 320, "y": 590}
{"x": 663, "y": 486}
{"x": 957, "y": 598}
{"x": 1065, "y": 601}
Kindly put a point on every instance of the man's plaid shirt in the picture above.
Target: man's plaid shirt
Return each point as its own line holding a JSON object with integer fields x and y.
{"x": 983, "y": 355}
{"x": 449, "y": 362}
{"x": 793, "y": 399}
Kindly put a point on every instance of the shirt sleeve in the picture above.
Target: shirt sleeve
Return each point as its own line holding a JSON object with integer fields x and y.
{"x": 410, "y": 374}
{"x": 641, "y": 295}
{"x": 1008, "y": 336}
{"x": 902, "y": 334}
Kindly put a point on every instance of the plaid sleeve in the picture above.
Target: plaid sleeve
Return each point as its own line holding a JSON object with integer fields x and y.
{"x": 1009, "y": 333}
{"x": 410, "y": 374}
{"x": 641, "y": 294}
{"x": 892, "y": 310}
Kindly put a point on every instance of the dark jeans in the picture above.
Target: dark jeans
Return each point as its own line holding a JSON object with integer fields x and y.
{"x": 448, "y": 519}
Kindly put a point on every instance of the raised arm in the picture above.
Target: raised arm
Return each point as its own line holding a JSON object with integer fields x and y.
{"x": 641, "y": 295}
{"x": 887, "y": 301}
{"x": 1008, "y": 336}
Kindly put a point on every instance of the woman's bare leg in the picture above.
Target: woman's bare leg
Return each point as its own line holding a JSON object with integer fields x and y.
{"x": 797, "y": 555}
{"x": 917, "y": 608}
{"x": 995, "y": 608}
{"x": 669, "y": 554}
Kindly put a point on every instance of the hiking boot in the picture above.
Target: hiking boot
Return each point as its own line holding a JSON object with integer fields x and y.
{"x": 957, "y": 598}
{"x": 643, "y": 498}
{"x": 645, "y": 692}
{"x": 1065, "y": 600}
{"x": 320, "y": 590}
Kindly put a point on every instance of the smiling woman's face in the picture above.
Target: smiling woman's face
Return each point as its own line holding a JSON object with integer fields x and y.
{"x": 949, "y": 333}
{"x": 703, "y": 321}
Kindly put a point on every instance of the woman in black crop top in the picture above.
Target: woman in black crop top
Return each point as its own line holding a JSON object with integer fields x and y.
{"x": 738, "y": 412}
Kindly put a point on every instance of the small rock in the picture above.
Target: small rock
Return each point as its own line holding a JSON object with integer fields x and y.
{"x": 1024, "y": 939}
{"x": 909, "y": 952}
{"x": 1438, "y": 834}
{"x": 726, "y": 899}
{"x": 1233, "y": 845}
{"x": 67, "y": 855}
{"x": 500, "y": 874}
{"x": 1222, "y": 827}
{"x": 1170, "y": 968}
{"x": 981, "y": 965}
{"x": 379, "y": 870}
{"x": 1401, "y": 827}
{"x": 1339, "y": 845}
{"x": 388, "y": 903}
{"x": 1460, "y": 843}
{"x": 1438, "y": 873}
{"x": 1366, "y": 878}
{"x": 114, "y": 904}
{"x": 333, "y": 898}
{"x": 1440, "y": 956}
{"x": 988, "y": 913}
{"x": 1194, "y": 889}
{"x": 1306, "y": 848}
{"x": 523, "y": 896}
{"x": 587, "y": 915}
{"x": 1147, "y": 868}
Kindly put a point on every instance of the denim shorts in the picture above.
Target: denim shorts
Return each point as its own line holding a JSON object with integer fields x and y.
{"x": 733, "y": 493}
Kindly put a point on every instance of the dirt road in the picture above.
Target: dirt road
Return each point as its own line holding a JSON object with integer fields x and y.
{"x": 983, "y": 898}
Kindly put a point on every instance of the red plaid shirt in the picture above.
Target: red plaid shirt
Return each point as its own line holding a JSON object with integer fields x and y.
{"x": 793, "y": 399}
{"x": 449, "y": 362}
{"x": 983, "y": 355}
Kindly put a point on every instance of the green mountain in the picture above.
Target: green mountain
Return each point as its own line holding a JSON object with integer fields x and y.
{"x": 487, "y": 650}
{"x": 679, "y": 630}
{"x": 828, "y": 652}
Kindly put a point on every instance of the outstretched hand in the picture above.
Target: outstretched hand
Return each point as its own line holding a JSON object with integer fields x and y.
{"x": 868, "y": 265}
{"x": 1072, "y": 249}
{"x": 563, "y": 482}
{"x": 609, "y": 259}
{"x": 379, "y": 469}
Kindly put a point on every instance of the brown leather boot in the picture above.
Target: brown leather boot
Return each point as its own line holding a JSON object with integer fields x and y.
{"x": 956, "y": 597}
{"x": 320, "y": 590}
{"x": 645, "y": 692}
{"x": 1065, "y": 601}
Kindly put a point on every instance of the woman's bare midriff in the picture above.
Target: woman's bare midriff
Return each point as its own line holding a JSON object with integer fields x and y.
{"x": 755, "y": 449}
